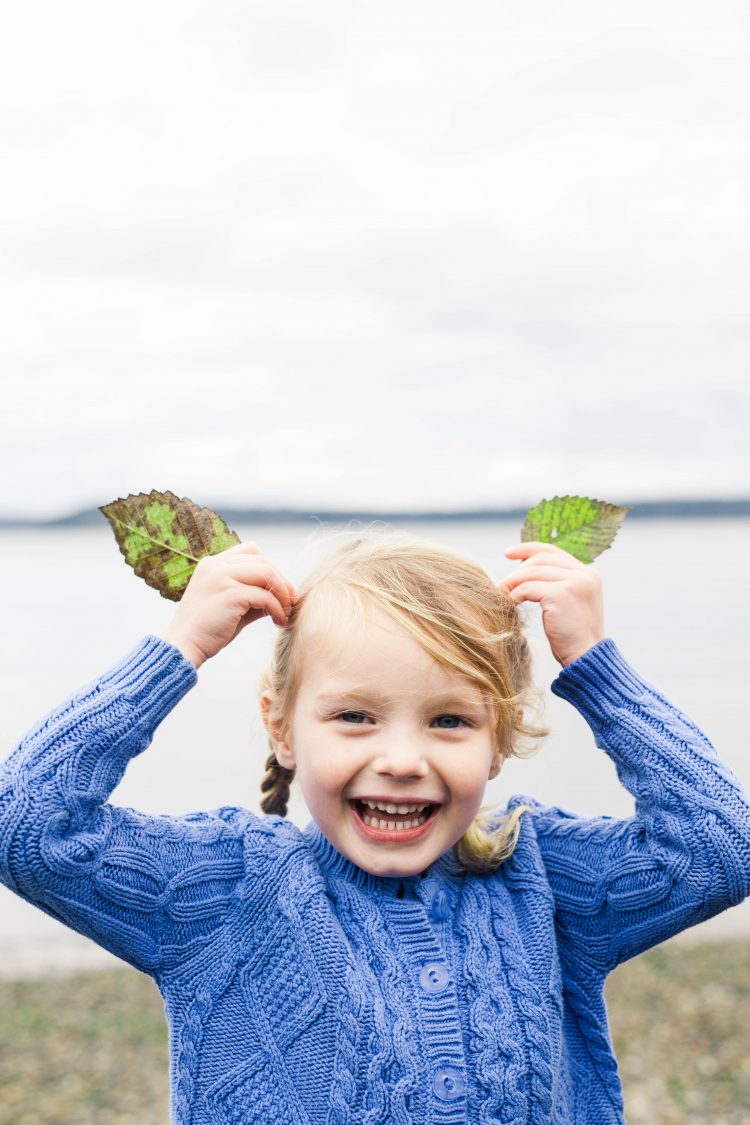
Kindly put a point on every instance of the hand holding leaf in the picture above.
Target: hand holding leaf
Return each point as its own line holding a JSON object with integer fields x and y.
{"x": 171, "y": 542}
{"x": 560, "y": 536}
{"x": 227, "y": 592}
{"x": 568, "y": 591}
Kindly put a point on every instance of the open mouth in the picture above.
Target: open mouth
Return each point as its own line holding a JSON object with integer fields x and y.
{"x": 407, "y": 817}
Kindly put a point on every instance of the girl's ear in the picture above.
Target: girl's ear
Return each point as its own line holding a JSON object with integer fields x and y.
{"x": 277, "y": 732}
{"x": 496, "y": 765}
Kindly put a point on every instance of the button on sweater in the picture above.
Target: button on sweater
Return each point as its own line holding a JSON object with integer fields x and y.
{"x": 301, "y": 989}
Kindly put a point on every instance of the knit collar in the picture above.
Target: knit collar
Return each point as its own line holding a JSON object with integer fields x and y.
{"x": 443, "y": 874}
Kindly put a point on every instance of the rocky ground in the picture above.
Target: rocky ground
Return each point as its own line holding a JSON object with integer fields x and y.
{"x": 91, "y": 1049}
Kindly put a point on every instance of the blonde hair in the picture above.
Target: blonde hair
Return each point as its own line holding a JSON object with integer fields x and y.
{"x": 451, "y": 607}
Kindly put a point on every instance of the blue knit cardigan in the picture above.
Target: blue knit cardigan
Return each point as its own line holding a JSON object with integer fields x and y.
{"x": 301, "y": 989}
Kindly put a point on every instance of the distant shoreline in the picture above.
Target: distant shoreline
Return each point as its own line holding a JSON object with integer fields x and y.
{"x": 647, "y": 509}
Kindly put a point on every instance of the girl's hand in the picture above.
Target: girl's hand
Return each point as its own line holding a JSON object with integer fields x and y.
{"x": 569, "y": 592}
{"x": 225, "y": 593}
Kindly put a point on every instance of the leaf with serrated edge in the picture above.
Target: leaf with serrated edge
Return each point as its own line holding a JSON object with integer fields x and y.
{"x": 163, "y": 537}
{"x": 581, "y": 526}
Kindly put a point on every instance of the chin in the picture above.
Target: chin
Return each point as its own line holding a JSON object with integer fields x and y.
{"x": 390, "y": 870}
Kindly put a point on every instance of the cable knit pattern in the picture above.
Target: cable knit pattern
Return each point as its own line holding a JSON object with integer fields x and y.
{"x": 301, "y": 989}
{"x": 346, "y": 1058}
{"x": 495, "y": 1044}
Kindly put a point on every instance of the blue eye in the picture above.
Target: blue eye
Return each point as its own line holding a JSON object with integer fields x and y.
{"x": 357, "y": 717}
{"x": 449, "y": 722}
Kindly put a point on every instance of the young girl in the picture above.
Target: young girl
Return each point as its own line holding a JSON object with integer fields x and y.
{"x": 409, "y": 957}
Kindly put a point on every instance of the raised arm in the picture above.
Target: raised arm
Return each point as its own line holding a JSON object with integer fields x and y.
{"x": 621, "y": 886}
{"x": 138, "y": 885}
{"x": 150, "y": 889}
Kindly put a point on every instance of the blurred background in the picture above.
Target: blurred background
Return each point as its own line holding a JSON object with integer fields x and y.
{"x": 376, "y": 259}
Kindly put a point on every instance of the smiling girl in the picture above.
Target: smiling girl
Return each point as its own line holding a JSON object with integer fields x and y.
{"x": 411, "y": 956}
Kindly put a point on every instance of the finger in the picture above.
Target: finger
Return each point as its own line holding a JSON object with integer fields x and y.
{"x": 534, "y": 573}
{"x": 248, "y": 548}
{"x": 548, "y": 555}
{"x": 254, "y": 572}
{"x": 257, "y": 598}
{"x": 529, "y": 592}
{"x": 529, "y": 550}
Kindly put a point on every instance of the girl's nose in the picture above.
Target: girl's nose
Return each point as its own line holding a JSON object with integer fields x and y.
{"x": 400, "y": 759}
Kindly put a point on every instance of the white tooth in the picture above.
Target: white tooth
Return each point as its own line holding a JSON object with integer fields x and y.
{"x": 391, "y": 825}
{"x": 381, "y": 806}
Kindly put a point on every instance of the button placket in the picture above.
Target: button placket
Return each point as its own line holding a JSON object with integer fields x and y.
{"x": 415, "y": 925}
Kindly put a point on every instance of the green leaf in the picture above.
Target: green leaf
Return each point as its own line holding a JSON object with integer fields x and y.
{"x": 581, "y": 526}
{"x": 162, "y": 537}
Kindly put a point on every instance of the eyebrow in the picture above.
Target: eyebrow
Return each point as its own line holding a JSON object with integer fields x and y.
{"x": 369, "y": 695}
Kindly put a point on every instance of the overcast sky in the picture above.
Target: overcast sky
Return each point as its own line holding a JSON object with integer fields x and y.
{"x": 414, "y": 253}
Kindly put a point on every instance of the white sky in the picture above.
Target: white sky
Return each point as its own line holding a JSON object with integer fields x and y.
{"x": 346, "y": 253}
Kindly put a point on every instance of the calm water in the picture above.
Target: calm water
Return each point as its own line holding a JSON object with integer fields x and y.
{"x": 677, "y": 597}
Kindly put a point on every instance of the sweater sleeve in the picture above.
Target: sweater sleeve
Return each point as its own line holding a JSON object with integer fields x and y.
{"x": 622, "y": 886}
{"x": 149, "y": 888}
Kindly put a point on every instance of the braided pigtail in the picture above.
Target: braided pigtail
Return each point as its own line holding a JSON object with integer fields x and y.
{"x": 279, "y": 683}
{"x": 275, "y": 785}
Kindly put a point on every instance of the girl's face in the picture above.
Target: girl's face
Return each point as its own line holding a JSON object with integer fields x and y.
{"x": 377, "y": 721}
